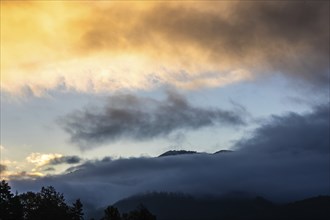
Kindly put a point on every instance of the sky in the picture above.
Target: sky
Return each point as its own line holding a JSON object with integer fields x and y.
{"x": 96, "y": 90}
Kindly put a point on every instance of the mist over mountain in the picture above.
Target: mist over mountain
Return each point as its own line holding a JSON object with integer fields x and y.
{"x": 285, "y": 159}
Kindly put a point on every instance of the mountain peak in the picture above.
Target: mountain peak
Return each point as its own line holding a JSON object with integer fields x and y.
{"x": 223, "y": 151}
{"x": 176, "y": 152}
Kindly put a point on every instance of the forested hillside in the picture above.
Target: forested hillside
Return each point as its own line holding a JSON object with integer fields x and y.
{"x": 51, "y": 205}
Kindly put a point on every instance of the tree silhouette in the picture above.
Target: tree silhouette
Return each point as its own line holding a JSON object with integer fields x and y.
{"x": 50, "y": 205}
{"x": 141, "y": 213}
{"x": 46, "y": 204}
{"x": 5, "y": 196}
{"x": 111, "y": 213}
{"x": 10, "y": 206}
{"x": 77, "y": 210}
{"x": 30, "y": 202}
{"x": 17, "y": 208}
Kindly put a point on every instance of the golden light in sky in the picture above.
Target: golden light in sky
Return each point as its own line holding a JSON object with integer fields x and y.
{"x": 93, "y": 47}
{"x": 100, "y": 46}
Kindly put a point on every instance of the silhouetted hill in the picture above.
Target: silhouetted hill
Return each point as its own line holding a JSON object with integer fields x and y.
{"x": 172, "y": 206}
{"x": 181, "y": 152}
{"x": 312, "y": 208}
{"x": 176, "y": 152}
{"x": 223, "y": 151}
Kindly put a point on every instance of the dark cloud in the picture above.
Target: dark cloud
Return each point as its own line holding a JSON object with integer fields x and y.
{"x": 128, "y": 116}
{"x": 64, "y": 160}
{"x": 3, "y": 168}
{"x": 289, "y": 37}
{"x": 292, "y": 134}
{"x": 24, "y": 176}
{"x": 286, "y": 159}
{"x": 202, "y": 44}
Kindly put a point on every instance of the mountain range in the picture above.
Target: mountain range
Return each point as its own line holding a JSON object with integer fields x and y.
{"x": 234, "y": 206}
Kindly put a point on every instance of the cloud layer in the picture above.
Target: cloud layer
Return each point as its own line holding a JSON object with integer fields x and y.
{"x": 3, "y": 168}
{"x": 64, "y": 160}
{"x": 286, "y": 159}
{"x": 294, "y": 134}
{"x": 106, "y": 46}
{"x": 45, "y": 160}
{"x": 131, "y": 117}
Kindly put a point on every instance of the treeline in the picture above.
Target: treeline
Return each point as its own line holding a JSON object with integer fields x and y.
{"x": 51, "y": 205}
{"x": 46, "y": 204}
{"x": 141, "y": 213}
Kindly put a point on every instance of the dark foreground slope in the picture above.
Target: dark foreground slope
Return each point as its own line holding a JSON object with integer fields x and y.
{"x": 169, "y": 206}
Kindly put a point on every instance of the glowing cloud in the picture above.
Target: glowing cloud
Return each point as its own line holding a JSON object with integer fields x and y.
{"x": 41, "y": 159}
{"x": 104, "y": 46}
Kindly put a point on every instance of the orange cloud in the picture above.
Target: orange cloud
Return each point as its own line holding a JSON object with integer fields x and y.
{"x": 40, "y": 160}
{"x": 97, "y": 46}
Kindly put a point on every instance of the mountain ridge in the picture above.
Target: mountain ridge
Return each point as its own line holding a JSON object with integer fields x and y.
{"x": 188, "y": 152}
{"x": 179, "y": 206}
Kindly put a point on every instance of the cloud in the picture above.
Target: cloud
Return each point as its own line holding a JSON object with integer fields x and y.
{"x": 24, "y": 175}
{"x": 128, "y": 116}
{"x": 265, "y": 36}
{"x": 69, "y": 45}
{"x": 49, "y": 169}
{"x": 7, "y": 172}
{"x": 293, "y": 133}
{"x": 284, "y": 165}
{"x": 6, "y": 165}
{"x": 2, "y": 148}
{"x": 3, "y": 168}
{"x": 42, "y": 160}
{"x": 64, "y": 160}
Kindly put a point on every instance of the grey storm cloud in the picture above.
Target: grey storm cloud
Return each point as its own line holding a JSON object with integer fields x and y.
{"x": 285, "y": 159}
{"x": 132, "y": 117}
{"x": 3, "y": 167}
{"x": 120, "y": 45}
{"x": 288, "y": 37}
{"x": 293, "y": 134}
{"x": 64, "y": 160}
